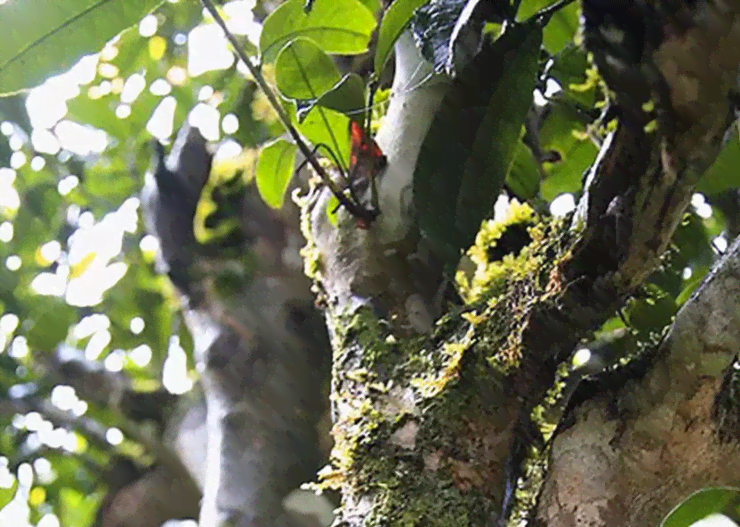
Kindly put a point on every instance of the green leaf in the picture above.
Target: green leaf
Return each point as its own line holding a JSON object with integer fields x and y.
{"x": 303, "y": 71}
{"x": 7, "y": 495}
{"x": 51, "y": 321}
{"x": 372, "y": 5}
{"x": 275, "y": 170}
{"x": 46, "y": 37}
{"x": 701, "y": 504}
{"x": 322, "y": 126}
{"x": 569, "y": 68}
{"x": 77, "y": 509}
{"x": 13, "y": 108}
{"x": 395, "y": 20}
{"x": 563, "y": 131}
{"x": 338, "y": 26}
{"x": 692, "y": 284}
{"x": 332, "y": 208}
{"x": 347, "y": 97}
{"x": 653, "y": 312}
{"x": 561, "y": 28}
{"x": 524, "y": 177}
{"x": 723, "y": 174}
{"x": 471, "y": 143}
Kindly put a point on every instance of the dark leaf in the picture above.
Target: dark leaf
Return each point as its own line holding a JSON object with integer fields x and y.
{"x": 471, "y": 143}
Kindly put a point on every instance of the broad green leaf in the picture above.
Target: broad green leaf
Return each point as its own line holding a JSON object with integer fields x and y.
{"x": 472, "y": 140}
{"x": 724, "y": 173}
{"x": 701, "y": 504}
{"x": 41, "y": 38}
{"x": 690, "y": 247}
{"x": 275, "y": 170}
{"x": 561, "y": 28}
{"x": 303, "y": 71}
{"x": 395, "y": 20}
{"x": 692, "y": 284}
{"x": 372, "y": 5}
{"x": 330, "y": 128}
{"x": 338, "y": 26}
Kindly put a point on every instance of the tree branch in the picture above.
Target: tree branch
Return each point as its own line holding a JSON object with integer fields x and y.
{"x": 424, "y": 425}
{"x": 662, "y": 428}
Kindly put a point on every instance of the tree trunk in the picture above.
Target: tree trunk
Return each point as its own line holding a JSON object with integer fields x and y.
{"x": 453, "y": 426}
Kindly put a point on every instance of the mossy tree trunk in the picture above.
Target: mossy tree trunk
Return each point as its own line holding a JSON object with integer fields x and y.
{"x": 451, "y": 425}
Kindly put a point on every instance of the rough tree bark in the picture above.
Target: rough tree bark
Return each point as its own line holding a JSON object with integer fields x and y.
{"x": 432, "y": 428}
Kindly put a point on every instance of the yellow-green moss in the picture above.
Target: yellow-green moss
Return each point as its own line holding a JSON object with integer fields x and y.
{"x": 309, "y": 252}
{"x": 370, "y": 362}
{"x": 488, "y": 275}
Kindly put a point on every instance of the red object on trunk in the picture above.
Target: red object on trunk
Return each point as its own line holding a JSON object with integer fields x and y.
{"x": 366, "y": 159}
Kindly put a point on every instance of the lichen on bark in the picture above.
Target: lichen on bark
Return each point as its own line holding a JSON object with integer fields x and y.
{"x": 423, "y": 423}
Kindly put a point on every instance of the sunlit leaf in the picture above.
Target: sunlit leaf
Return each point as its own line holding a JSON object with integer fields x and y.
{"x": 564, "y": 131}
{"x": 41, "y": 38}
{"x": 77, "y": 509}
{"x": 332, "y": 208}
{"x": 303, "y": 71}
{"x": 7, "y": 494}
{"x": 692, "y": 284}
{"x": 701, "y": 504}
{"x": 569, "y": 68}
{"x": 330, "y": 128}
{"x": 339, "y": 26}
{"x": 275, "y": 170}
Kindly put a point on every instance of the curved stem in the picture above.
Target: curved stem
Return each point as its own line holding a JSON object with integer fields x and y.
{"x": 354, "y": 208}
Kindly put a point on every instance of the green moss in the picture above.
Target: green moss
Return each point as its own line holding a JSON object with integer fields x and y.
{"x": 310, "y": 253}
{"x": 444, "y": 372}
{"x": 424, "y": 504}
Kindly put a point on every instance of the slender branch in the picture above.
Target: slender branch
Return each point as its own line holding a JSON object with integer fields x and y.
{"x": 354, "y": 208}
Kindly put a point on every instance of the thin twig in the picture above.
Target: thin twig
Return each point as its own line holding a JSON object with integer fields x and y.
{"x": 544, "y": 14}
{"x": 355, "y": 209}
